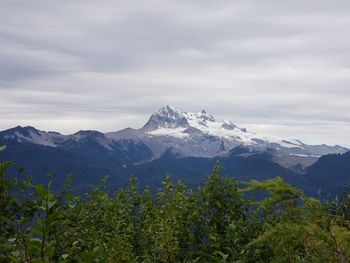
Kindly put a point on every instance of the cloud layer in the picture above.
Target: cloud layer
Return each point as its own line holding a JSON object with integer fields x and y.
{"x": 280, "y": 67}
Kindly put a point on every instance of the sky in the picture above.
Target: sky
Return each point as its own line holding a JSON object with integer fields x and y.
{"x": 275, "y": 67}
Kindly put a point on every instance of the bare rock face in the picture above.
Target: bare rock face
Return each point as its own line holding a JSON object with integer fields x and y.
{"x": 167, "y": 117}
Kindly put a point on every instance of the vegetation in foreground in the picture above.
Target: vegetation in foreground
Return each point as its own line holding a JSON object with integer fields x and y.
{"x": 218, "y": 222}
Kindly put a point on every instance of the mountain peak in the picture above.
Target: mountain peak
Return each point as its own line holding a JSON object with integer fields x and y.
{"x": 169, "y": 108}
{"x": 169, "y": 111}
{"x": 228, "y": 125}
{"x": 89, "y": 134}
{"x": 22, "y": 131}
{"x": 167, "y": 117}
{"x": 204, "y": 116}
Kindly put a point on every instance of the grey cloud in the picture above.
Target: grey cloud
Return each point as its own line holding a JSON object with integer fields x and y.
{"x": 104, "y": 65}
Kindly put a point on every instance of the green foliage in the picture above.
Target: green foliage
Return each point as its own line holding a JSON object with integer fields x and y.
{"x": 218, "y": 222}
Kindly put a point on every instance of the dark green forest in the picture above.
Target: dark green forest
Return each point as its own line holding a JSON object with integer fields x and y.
{"x": 222, "y": 221}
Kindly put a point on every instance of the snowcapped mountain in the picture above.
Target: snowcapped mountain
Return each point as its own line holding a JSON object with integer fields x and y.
{"x": 184, "y": 144}
{"x": 201, "y": 135}
{"x": 167, "y": 118}
{"x": 181, "y": 134}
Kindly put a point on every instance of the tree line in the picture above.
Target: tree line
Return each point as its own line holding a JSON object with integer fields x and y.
{"x": 222, "y": 221}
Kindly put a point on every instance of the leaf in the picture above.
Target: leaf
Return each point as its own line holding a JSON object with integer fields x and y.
{"x": 12, "y": 240}
{"x": 35, "y": 242}
{"x": 37, "y": 230}
{"x": 50, "y": 196}
{"x": 40, "y": 190}
{"x": 69, "y": 197}
{"x": 69, "y": 180}
{"x": 50, "y": 204}
{"x": 16, "y": 253}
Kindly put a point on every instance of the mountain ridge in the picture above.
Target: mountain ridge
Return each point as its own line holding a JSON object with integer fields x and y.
{"x": 187, "y": 134}
{"x": 85, "y": 156}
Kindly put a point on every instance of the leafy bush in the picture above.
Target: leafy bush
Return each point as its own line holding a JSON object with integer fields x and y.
{"x": 218, "y": 222}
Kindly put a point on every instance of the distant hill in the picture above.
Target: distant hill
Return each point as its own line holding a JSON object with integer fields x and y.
{"x": 329, "y": 174}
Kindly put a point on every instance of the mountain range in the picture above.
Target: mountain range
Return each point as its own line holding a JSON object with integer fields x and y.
{"x": 184, "y": 144}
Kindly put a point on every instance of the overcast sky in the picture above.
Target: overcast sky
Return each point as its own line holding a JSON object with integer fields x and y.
{"x": 278, "y": 67}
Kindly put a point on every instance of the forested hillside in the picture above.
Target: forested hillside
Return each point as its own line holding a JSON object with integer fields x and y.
{"x": 221, "y": 221}
{"x": 90, "y": 155}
